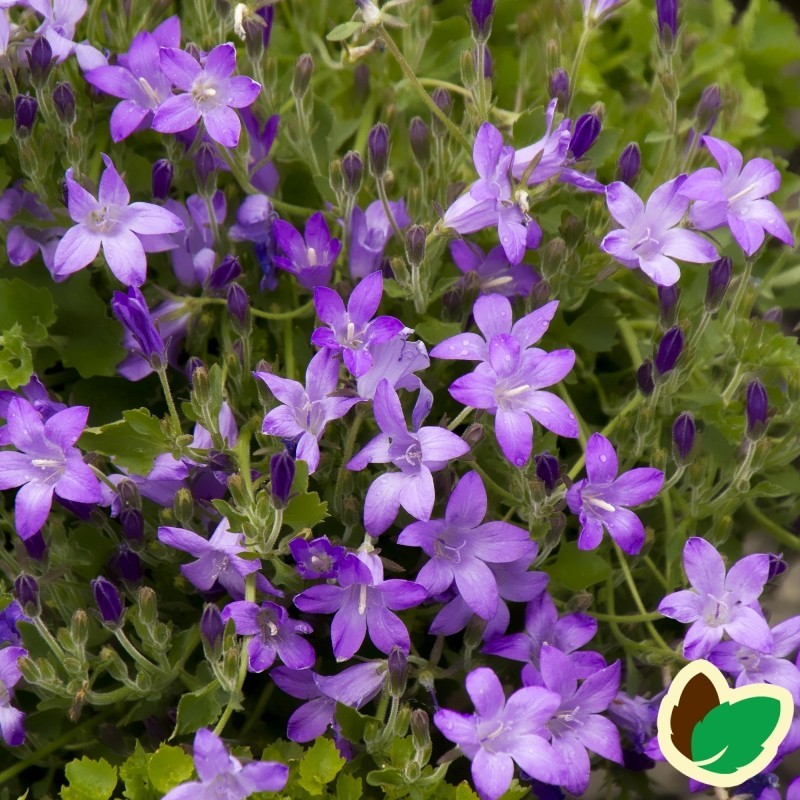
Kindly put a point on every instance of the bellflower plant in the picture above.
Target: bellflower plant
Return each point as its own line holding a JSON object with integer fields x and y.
{"x": 309, "y": 257}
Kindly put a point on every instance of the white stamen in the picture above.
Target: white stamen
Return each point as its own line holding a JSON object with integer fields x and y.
{"x": 601, "y": 504}
{"x": 149, "y": 91}
{"x": 45, "y": 463}
{"x": 518, "y": 390}
{"x": 239, "y": 14}
{"x": 362, "y": 599}
{"x": 312, "y": 257}
{"x": 740, "y": 195}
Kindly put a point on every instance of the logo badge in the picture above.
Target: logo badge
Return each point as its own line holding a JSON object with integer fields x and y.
{"x": 717, "y": 735}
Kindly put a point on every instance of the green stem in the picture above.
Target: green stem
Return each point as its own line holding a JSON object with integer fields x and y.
{"x": 658, "y": 576}
{"x": 301, "y": 311}
{"x": 465, "y": 412}
{"x": 173, "y": 411}
{"x": 49, "y": 638}
{"x": 288, "y": 348}
{"x": 349, "y": 446}
{"x": 783, "y": 536}
{"x": 495, "y": 487}
{"x": 623, "y": 618}
{"x": 130, "y": 649}
{"x": 576, "y": 62}
{"x": 277, "y": 524}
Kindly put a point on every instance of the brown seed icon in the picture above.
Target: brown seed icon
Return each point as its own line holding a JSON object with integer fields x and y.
{"x": 697, "y": 699}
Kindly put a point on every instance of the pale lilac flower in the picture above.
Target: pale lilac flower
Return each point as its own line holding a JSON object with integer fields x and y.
{"x": 492, "y": 271}
{"x": 254, "y": 220}
{"x": 273, "y": 635}
{"x": 218, "y": 559}
{"x": 577, "y": 725}
{"x": 60, "y": 20}
{"x": 306, "y": 411}
{"x": 649, "y": 238}
{"x": 317, "y": 558}
{"x": 353, "y": 332}
{"x": 113, "y": 222}
{"x": 370, "y": 231}
{"x": 47, "y": 462}
{"x": 223, "y": 777}
{"x": 415, "y": 453}
{"x": 208, "y": 92}
{"x": 363, "y": 603}
{"x": 551, "y": 150}
{"x": 24, "y": 241}
{"x": 720, "y": 603}
{"x": 502, "y": 732}
{"x": 751, "y": 666}
{"x": 193, "y": 254}
{"x": 263, "y": 174}
{"x": 310, "y": 258}
{"x": 36, "y": 394}
{"x": 602, "y": 498}
{"x": 9, "y": 617}
{"x": 461, "y": 545}
{"x": 735, "y": 195}
{"x": 11, "y": 719}
{"x": 596, "y": 10}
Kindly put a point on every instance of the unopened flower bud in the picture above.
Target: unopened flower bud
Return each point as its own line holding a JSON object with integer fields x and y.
{"x": 127, "y": 565}
{"x": 351, "y": 511}
{"x": 205, "y": 166}
{"x": 108, "y": 601}
{"x": 128, "y": 494}
{"x": 420, "y": 141}
{"x": 148, "y": 606}
{"x": 668, "y": 304}
{"x": 361, "y": 82}
{"x": 239, "y": 310}
{"x": 64, "y": 102}
{"x": 756, "y": 409}
{"x": 474, "y": 434}
{"x": 667, "y": 16}
{"x": 774, "y": 314}
{"x": 132, "y": 523}
{"x": 353, "y": 172}
{"x": 281, "y": 474}
{"x": 201, "y": 386}
{"x": 415, "y": 244}
{"x": 301, "y": 80}
{"x": 558, "y": 87}
{"x": 183, "y": 506}
{"x": 481, "y": 18}
{"x": 79, "y": 628}
{"x": 547, "y": 470}
{"x": 629, "y": 164}
{"x": 444, "y": 102}
{"x": 719, "y": 277}
{"x": 212, "y": 627}
{"x": 229, "y": 269}
{"x": 469, "y": 74}
{"x": 25, "y": 108}
{"x": 378, "y": 149}
{"x": 26, "y": 592}
{"x": 487, "y": 61}
{"x": 398, "y": 672}
{"x": 777, "y": 566}
{"x": 421, "y": 735}
{"x": 587, "y": 129}
{"x": 645, "y": 378}
{"x": 161, "y": 181}
{"x": 40, "y": 60}
{"x": 708, "y": 108}
{"x": 669, "y": 350}
{"x": 683, "y": 435}
{"x": 473, "y": 634}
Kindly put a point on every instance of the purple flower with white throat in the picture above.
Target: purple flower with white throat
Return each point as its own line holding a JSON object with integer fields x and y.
{"x": 461, "y": 545}
{"x": 223, "y": 777}
{"x": 193, "y": 253}
{"x": 649, "y": 237}
{"x": 263, "y": 174}
{"x": 550, "y": 150}
{"x": 353, "y": 332}
{"x": 273, "y": 635}
{"x": 370, "y": 231}
{"x": 208, "y": 92}
{"x": 720, "y": 602}
{"x": 11, "y": 719}
{"x": 502, "y": 732}
{"x": 415, "y": 453}
{"x": 306, "y": 410}
{"x": 47, "y": 463}
{"x": 601, "y": 499}
{"x": 735, "y": 194}
{"x": 492, "y": 271}
{"x": 317, "y": 558}
{"x": 310, "y": 258}
{"x": 363, "y": 603}
{"x": 112, "y": 222}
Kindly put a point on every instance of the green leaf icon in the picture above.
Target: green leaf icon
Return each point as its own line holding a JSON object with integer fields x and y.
{"x": 732, "y": 735}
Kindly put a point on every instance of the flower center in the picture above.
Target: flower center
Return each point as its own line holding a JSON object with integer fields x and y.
{"x": 101, "y": 219}
{"x": 648, "y": 244}
{"x": 449, "y": 549}
{"x": 739, "y": 195}
{"x": 204, "y": 93}
{"x": 311, "y": 416}
{"x": 414, "y": 454}
{"x": 362, "y": 599}
{"x": 313, "y": 260}
{"x": 750, "y": 660}
{"x": 46, "y": 463}
{"x": 321, "y": 563}
{"x": 267, "y": 623}
{"x": 506, "y": 393}
{"x": 596, "y": 501}
{"x": 150, "y": 92}
{"x": 716, "y": 612}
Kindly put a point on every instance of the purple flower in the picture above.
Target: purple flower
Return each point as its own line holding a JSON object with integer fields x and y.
{"x": 460, "y": 546}
{"x": 60, "y": 19}
{"x": 132, "y": 311}
{"x": 36, "y": 394}
{"x": 141, "y": 85}
{"x": 550, "y": 150}
{"x": 370, "y": 231}
{"x": 223, "y": 777}
{"x": 113, "y": 222}
{"x": 274, "y": 635}
{"x": 719, "y": 603}
{"x": 9, "y": 617}
{"x": 734, "y": 194}
{"x": 353, "y": 332}
{"x": 306, "y": 411}
{"x": 193, "y": 253}
{"x": 649, "y": 238}
{"x": 577, "y": 725}
{"x": 600, "y": 499}
{"x": 47, "y": 462}
{"x": 502, "y": 732}
{"x": 208, "y": 92}
{"x": 493, "y": 272}
{"x": 317, "y": 558}
{"x": 363, "y": 602}
{"x": 488, "y": 203}
{"x": 415, "y": 453}
{"x": 11, "y": 719}
{"x": 311, "y": 257}
{"x": 218, "y": 559}
{"x": 595, "y": 10}
{"x": 263, "y": 174}
{"x": 752, "y": 666}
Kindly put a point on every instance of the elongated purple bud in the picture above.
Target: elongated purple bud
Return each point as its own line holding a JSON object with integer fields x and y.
{"x": 228, "y": 270}
{"x": 161, "y": 178}
{"x": 205, "y": 165}
{"x": 629, "y": 164}
{"x": 719, "y": 276}
{"x": 127, "y": 565}
{"x": 420, "y": 138}
{"x": 301, "y": 80}
{"x": 668, "y": 304}
{"x": 683, "y": 435}
{"x": 558, "y": 87}
{"x": 211, "y": 626}
{"x": 669, "y": 350}
{"x": 26, "y": 592}
{"x": 444, "y": 102}
{"x": 378, "y": 149}
{"x": 239, "y": 309}
{"x": 108, "y": 601}
{"x": 398, "y": 672}
{"x": 547, "y": 470}
{"x": 587, "y": 129}
{"x": 645, "y": 378}
{"x": 25, "y": 109}
{"x": 132, "y": 311}
{"x": 667, "y": 16}
{"x": 64, "y": 102}
{"x": 281, "y": 474}
{"x": 40, "y": 60}
{"x": 353, "y": 172}
{"x": 481, "y": 13}
{"x": 756, "y": 409}
{"x": 708, "y": 108}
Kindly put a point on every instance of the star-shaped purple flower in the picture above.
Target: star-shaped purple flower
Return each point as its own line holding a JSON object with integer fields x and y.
{"x": 306, "y": 410}
{"x": 461, "y": 545}
{"x": 310, "y": 258}
{"x": 11, "y": 719}
{"x": 720, "y": 603}
{"x": 317, "y": 558}
{"x": 735, "y": 194}
{"x": 492, "y": 271}
{"x": 502, "y": 732}
{"x": 47, "y": 463}
{"x": 274, "y": 635}
{"x": 649, "y": 237}
{"x": 363, "y": 602}
{"x": 353, "y": 332}
{"x": 370, "y": 231}
{"x": 208, "y": 92}
{"x": 602, "y": 498}
{"x": 112, "y": 222}
{"x": 223, "y": 777}
{"x": 415, "y": 453}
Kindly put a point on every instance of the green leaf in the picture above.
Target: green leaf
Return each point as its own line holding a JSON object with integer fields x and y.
{"x": 732, "y": 735}
{"x": 343, "y": 31}
{"x": 577, "y": 569}
{"x": 32, "y": 308}
{"x": 434, "y": 331}
{"x": 305, "y": 511}
{"x": 348, "y": 787}
{"x": 319, "y": 766}
{"x": 16, "y": 361}
{"x": 464, "y": 792}
{"x": 134, "y": 774}
{"x": 390, "y": 776}
{"x": 168, "y": 767}
{"x": 197, "y": 710}
{"x": 351, "y": 722}
{"x": 89, "y": 780}
{"x": 595, "y": 330}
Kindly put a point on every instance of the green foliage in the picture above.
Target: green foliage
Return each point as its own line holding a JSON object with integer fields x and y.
{"x": 168, "y": 767}
{"x": 319, "y": 766}
{"x": 89, "y": 780}
{"x": 132, "y": 442}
